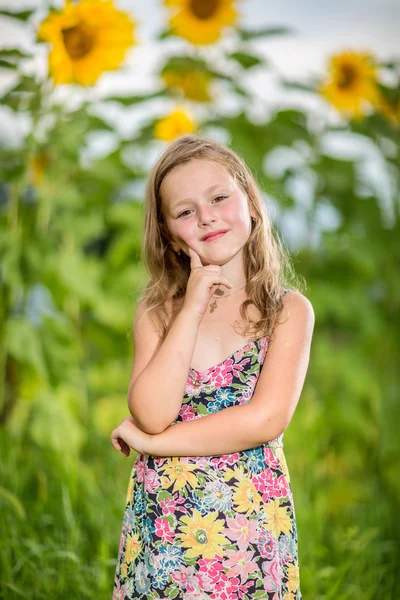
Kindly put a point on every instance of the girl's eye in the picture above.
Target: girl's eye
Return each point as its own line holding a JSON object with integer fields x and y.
{"x": 217, "y": 198}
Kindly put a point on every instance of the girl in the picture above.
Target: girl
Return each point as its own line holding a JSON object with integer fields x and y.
{"x": 209, "y": 510}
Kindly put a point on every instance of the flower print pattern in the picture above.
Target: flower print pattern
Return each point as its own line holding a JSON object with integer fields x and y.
{"x": 211, "y": 527}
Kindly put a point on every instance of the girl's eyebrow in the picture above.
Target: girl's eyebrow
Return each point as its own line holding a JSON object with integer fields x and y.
{"x": 210, "y": 189}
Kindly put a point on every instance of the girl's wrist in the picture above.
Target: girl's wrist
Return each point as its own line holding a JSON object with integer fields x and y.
{"x": 150, "y": 445}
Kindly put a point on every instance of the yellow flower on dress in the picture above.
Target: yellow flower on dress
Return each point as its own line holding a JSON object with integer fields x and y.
{"x": 124, "y": 570}
{"x": 174, "y": 125}
{"x": 202, "y": 535}
{"x": 246, "y": 497}
{"x": 351, "y": 84}
{"x": 87, "y": 38}
{"x": 293, "y": 578}
{"x": 193, "y": 84}
{"x": 201, "y": 21}
{"x": 132, "y": 547}
{"x": 277, "y": 518}
{"x": 130, "y": 491}
{"x": 179, "y": 473}
{"x": 280, "y": 455}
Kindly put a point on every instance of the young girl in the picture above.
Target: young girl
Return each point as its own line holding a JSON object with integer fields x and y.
{"x": 221, "y": 350}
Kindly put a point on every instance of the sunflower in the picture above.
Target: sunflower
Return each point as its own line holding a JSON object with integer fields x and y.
{"x": 174, "y": 125}
{"x": 201, "y": 21}
{"x": 351, "y": 84}
{"x": 202, "y": 535}
{"x": 87, "y": 38}
{"x": 193, "y": 84}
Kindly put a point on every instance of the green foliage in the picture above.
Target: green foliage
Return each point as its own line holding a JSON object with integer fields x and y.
{"x": 70, "y": 273}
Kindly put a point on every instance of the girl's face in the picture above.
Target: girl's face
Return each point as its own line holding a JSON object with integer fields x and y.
{"x": 200, "y": 197}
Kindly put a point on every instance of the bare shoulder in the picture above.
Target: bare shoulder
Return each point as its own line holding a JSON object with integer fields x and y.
{"x": 297, "y": 308}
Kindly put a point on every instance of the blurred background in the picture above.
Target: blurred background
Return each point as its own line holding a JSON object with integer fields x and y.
{"x": 91, "y": 92}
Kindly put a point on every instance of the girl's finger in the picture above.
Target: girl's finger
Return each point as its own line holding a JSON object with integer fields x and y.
{"x": 116, "y": 445}
{"x": 195, "y": 261}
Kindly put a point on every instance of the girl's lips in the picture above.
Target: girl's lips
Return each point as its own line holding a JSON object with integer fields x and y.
{"x": 214, "y": 238}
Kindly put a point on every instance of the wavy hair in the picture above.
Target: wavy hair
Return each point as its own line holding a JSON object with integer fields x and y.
{"x": 267, "y": 265}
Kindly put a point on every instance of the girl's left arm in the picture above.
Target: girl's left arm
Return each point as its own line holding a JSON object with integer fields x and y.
{"x": 265, "y": 416}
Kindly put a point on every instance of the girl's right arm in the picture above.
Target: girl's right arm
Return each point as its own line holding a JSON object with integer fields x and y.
{"x": 159, "y": 376}
{"x": 155, "y": 396}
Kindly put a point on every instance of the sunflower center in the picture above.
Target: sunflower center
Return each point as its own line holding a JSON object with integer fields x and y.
{"x": 204, "y": 9}
{"x": 178, "y": 469}
{"x": 78, "y": 40}
{"x": 201, "y": 536}
{"x": 347, "y": 76}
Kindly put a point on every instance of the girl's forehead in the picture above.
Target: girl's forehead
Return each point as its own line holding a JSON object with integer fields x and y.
{"x": 201, "y": 169}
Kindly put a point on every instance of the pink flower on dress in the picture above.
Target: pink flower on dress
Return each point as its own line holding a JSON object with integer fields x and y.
{"x": 183, "y": 575}
{"x": 273, "y": 574}
{"x": 280, "y": 487}
{"x": 186, "y": 412}
{"x": 212, "y": 568}
{"x": 163, "y": 530}
{"x": 270, "y": 458}
{"x": 241, "y": 530}
{"x": 168, "y": 506}
{"x": 204, "y": 582}
{"x": 151, "y": 480}
{"x": 120, "y": 591}
{"x": 222, "y": 374}
{"x": 267, "y": 544}
{"x": 225, "y": 460}
{"x": 140, "y": 468}
{"x": 240, "y": 564}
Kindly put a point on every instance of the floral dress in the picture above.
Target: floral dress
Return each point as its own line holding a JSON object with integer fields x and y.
{"x": 220, "y": 527}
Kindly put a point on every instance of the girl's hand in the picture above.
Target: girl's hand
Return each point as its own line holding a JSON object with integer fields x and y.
{"x": 127, "y": 435}
{"x": 202, "y": 283}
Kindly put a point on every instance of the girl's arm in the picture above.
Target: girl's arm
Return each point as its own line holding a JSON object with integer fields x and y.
{"x": 158, "y": 384}
{"x": 265, "y": 416}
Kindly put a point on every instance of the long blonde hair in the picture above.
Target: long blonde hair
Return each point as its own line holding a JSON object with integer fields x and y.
{"x": 267, "y": 265}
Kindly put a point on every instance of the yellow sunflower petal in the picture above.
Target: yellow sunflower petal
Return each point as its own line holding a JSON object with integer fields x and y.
{"x": 351, "y": 85}
{"x": 201, "y": 21}
{"x": 174, "y": 125}
{"x": 87, "y": 38}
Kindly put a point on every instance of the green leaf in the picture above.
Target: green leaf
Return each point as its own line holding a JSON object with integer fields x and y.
{"x": 247, "y": 61}
{"x": 166, "y": 33}
{"x": 21, "y": 16}
{"x": 163, "y": 495}
{"x": 184, "y": 63}
{"x": 251, "y": 34}
{"x": 297, "y": 85}
{"x": 129, "y": 100}
{"x": 13, "y": 53}
{"x": 24, "y": 344}
{"x": 15, "y": 502}
{"x": 4, "y": 64}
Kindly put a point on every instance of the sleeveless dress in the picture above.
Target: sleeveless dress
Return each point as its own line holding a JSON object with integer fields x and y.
{"x": 220, "y": 527}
